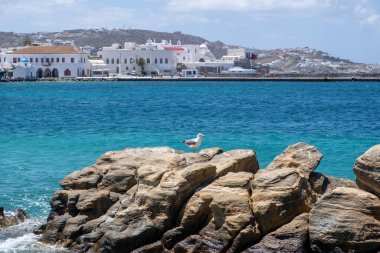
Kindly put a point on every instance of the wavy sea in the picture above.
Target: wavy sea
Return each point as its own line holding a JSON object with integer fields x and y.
{"x": 49, "y": 129}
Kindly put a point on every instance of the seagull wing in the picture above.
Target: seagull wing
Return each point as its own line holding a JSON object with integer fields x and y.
{"x": 189, "y": 142}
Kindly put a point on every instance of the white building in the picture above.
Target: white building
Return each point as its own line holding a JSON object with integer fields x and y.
{"x": 240, "y": 53}
{"x": 98, "y": 68}
{"x": 50, "y": 61}
{"x": 158, "y": 58}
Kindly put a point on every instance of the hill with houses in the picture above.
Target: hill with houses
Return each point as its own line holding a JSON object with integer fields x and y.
{"x": 293, "y": 60}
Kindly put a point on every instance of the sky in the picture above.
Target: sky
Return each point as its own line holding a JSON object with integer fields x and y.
{"x": 349, "y": 29}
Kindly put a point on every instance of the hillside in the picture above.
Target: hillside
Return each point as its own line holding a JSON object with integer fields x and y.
{"x": 102, "y": 37}
{"x": 293, "y": 60}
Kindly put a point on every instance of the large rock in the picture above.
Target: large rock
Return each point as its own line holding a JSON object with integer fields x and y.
{"x": 12, "y": 218}
{"x": 216, "y": 218}
{"x": 301, "y": 156}
{"x": 130, "y": 198}
{"x": 282, "y": 191}
{"x": 290, "y": 238}
{"x": 345, "y": 220}
{"x": 367, "y": 170}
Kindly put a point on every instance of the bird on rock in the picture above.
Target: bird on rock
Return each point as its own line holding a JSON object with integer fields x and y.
{"x": 194, "y": 143}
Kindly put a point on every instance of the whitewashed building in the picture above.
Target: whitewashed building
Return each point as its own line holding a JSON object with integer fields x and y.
{"x": 50, "y": 61}
{"x": 158, "y": 58}
{"x": 240, "y": 53}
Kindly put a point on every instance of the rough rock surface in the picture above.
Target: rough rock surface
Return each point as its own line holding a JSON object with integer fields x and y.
{"x": 346, "y": 220}
{"x": 130, "y": 198}
{"x": 282, "y": 191}
{"x": 163, "y": 200}
{"x": 12, "y": 218}
{"x": 367, "y": 170}
{"x": 292, "y": 237}
{"x": 322, "y": 184}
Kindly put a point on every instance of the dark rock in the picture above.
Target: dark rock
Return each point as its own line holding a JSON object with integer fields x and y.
{"x": 12, "y": 218}
{"x": 290, "y": 238}
{"x": 322, "y": 184}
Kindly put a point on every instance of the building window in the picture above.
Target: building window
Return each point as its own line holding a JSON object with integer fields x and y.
{"x": 126, "y": 68}
{"x": 67, "y": 72}
{"x": 18, "y": 59}
{"x": 57, "y": 59}
{"x": 31, "y": 60}
{"x": 107, "y": 61}
{"x": 36, "y": 59}
{"x": 155, "y": 60}
{"x": 63, "y": 59}
{"x": 42, "y": 59}
{"x": 131, "y": 60}
{"x": 134, "y": 68}
{"x": 117, "y": 61}
{"x": 161, "y": 61}
{"x": 125, "y": 61}
{"x": 72, "y": 60}
{"x": 148, "y": 60}
{"x": 47, "y": 59}
{"x": 166, "y": 60}
{"x": 112, "y": 61}
{"x": 52, "y": 59}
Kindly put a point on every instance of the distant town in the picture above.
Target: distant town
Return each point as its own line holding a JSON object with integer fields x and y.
{"x": 63, "y": 59}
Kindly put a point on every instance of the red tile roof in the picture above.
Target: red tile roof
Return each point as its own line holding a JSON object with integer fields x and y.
{"x": 48, "y": 50}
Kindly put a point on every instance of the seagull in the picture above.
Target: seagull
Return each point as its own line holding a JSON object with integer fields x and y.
{"x": 194, "y": 143}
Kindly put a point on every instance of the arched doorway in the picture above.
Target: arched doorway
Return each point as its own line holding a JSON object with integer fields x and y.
{"x": 47, "y": 72}
{"x": 55, "y": 73}
{"x": 39, "y": 73}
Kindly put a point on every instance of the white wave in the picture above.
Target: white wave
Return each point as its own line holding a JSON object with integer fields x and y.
{"x": 20, "y": 239}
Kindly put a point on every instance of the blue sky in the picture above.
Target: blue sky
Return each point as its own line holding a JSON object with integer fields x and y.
{"x": 349, "y": 29}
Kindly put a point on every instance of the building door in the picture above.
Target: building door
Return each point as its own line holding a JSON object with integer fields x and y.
{"x": 47, "y": 72}
{"x": 55, "y": 73}
{"x": 40, "y": 73}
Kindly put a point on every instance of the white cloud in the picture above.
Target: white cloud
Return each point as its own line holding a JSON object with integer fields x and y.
{"x": 367, "y": 15}
{"x": 245, "y": 5}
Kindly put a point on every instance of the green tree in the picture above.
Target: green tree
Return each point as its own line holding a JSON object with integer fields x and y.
{"x": 26, "y": 41}
{"x": 141, "y": 63}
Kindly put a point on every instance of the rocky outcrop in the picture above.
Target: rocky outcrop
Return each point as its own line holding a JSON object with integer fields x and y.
{"x": 346, "y": 220}
{"x": 292, "y": 237}
{"x": 367, "y": 170}
{"x": 130, "y": 198}
{"x": 282, "y": 191}
{"x": 12, "y": 218}
{"x": 163, "y": 200}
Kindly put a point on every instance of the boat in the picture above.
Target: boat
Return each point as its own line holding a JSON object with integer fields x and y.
{"x": 239, "y": 71}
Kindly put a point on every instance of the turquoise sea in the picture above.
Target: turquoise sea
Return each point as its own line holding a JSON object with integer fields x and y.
{"x": 48, "y": 130}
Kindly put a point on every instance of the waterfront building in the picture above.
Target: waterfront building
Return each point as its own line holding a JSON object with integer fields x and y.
{"x": 240, "y": 53}
{"x": 50, "y": 61}
{"x": 98, "y": 68}
{"x": 158, "y": 58}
